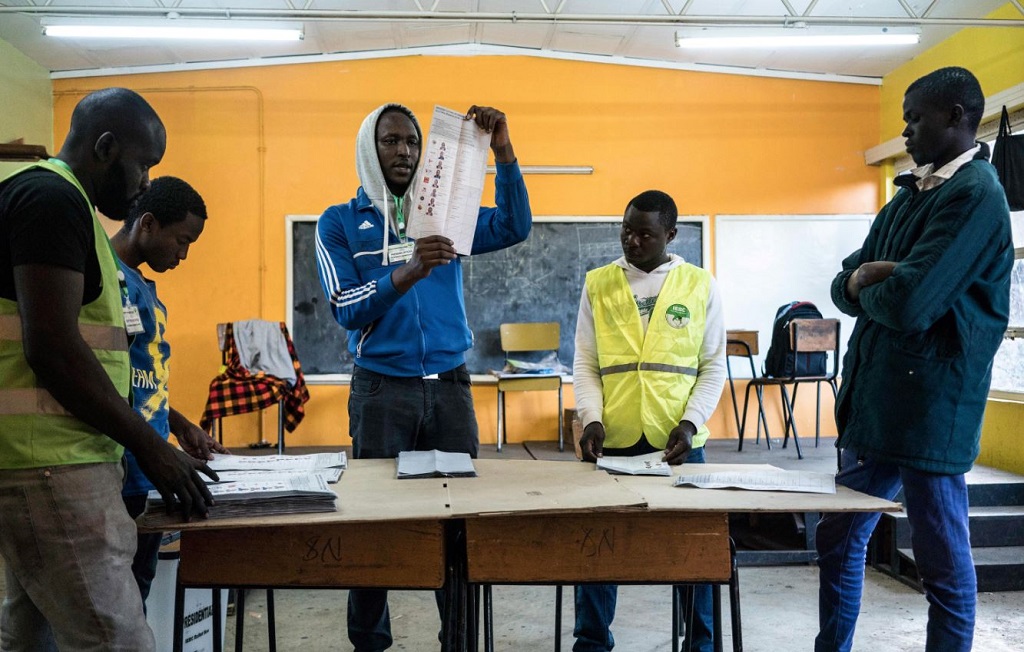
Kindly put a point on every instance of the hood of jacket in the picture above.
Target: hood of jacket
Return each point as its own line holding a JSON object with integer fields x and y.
{"x": 371, "y": 177}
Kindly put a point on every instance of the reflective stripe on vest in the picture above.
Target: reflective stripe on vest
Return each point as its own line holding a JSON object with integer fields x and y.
{"x": 96, "y": 336}
{"x": 35, "y": 430}
{"x": 647, "y": 377}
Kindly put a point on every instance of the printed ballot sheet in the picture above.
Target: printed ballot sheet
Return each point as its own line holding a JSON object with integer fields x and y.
{"x": 649, "y": 464}
{"x": 310, "y": 462}
{"x": 762, "y": 480}
{"x": 450, "y": 184}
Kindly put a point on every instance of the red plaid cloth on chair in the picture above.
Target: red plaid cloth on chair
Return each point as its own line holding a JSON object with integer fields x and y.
{"x": 238, "y": 390}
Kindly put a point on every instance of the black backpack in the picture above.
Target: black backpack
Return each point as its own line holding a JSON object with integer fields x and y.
{"x": 781, "y": 359}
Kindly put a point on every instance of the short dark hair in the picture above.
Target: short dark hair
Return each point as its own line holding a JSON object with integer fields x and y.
{"x": 121, "y": 111}
{"x": 651, "y": 201}
{"x": 946, "y": 87}
{"x": 404, "y": 110}
{"x": 170, "y": 200}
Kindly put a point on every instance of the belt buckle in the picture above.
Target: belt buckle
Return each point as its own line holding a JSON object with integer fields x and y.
{"x": 431, "y": 377}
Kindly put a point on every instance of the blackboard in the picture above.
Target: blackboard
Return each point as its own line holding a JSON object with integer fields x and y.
{"x": 537, "y": 280}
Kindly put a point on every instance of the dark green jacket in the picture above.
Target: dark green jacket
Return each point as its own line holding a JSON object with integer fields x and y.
{"x": 917, "y": 369}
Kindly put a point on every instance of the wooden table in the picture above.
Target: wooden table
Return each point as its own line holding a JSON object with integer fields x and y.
{"x": 680, "y": 537}
{"x": 518, "y": 522}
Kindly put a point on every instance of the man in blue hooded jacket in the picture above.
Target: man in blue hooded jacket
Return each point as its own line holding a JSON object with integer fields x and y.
{"x": 406, "y": 318}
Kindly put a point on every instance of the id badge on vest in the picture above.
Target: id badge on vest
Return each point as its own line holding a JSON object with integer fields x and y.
{"x": 400, "y": 253}
{"x": 132, "y": 320}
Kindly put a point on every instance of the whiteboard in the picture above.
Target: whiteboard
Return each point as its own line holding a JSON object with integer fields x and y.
{"x": 764, "y": 261}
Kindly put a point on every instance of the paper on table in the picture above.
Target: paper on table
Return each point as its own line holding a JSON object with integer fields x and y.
{"x": 435, "y": 463}
{"x": 296, "y": 493}
{"x": 450, "y": 181}
{"x": 278, "y": 462}
{"x": 331, "y": 475}
{"x": 649, "y": 464}
{"x": 762, "y": 480}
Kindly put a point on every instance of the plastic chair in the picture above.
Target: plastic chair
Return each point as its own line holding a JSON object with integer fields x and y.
{"x": 806, "y": 336}
{"x": 529, "y": 336}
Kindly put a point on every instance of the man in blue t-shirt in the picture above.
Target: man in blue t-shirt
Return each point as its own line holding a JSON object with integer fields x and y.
{"x": 158, "y": 231}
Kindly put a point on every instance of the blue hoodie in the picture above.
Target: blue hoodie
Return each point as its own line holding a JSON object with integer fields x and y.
{"x": 423, "y": 331}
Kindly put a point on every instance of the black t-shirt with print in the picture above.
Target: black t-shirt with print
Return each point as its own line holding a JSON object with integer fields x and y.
{"x": 44, "y": 220}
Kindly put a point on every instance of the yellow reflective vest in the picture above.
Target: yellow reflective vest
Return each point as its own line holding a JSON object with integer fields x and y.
{"x": 647, "y": 377}
{"x": 35, "y": 430}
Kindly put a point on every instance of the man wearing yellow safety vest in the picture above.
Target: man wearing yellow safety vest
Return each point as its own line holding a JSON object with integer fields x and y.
{"x": 648, "y": 373}
{"x": 66, "y": 539}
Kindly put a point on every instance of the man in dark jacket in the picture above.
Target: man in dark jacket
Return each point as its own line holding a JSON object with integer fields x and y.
{"x": 930, "y": 290}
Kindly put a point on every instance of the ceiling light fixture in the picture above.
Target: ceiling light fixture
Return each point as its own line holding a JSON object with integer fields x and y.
{"x": 794, "y": 36}
{"x": 191, "y": 32}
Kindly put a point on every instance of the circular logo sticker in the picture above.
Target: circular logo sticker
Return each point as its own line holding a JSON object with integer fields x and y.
{"x": 677, "y": 315}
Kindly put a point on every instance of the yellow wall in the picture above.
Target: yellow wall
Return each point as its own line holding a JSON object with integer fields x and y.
{"x": 26, "y": 105}
{"x": 996, "y": 56}
{"x": 262, "y": 143}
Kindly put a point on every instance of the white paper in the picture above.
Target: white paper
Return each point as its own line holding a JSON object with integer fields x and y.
{"x": 268, "y": 486}
{"x": 450, "y": 180}
{"x": 763, "y": 480}
{"x": 330, "y": 475}
{"x": 427, "y": 464}
{"x": 649, "y": 464}
{"x": 278, "y": 462}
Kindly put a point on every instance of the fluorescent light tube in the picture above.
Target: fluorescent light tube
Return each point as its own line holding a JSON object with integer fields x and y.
{"x": 184, "y": 32}
{"x": 796, "y": 40}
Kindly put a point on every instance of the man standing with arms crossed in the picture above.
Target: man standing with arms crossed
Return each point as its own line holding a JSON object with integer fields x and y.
{"x": 65, "y": 536}
{"x": 930, "y": 289}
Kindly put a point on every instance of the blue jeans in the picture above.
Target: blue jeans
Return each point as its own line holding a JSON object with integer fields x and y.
{"x": 595, "y": 603}
{"x": 388, "y": 415}
{"x": 936, "y": 508}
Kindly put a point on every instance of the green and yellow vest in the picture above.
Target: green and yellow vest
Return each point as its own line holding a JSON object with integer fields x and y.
{"x": 35, "y": 430}
{"x": 647, "y": 378}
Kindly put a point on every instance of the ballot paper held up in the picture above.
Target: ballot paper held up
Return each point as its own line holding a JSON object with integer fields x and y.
{"x": 649, "y": 464}
{"x": 762, "y": 480}
{"x": 435, "y": 463}
{"x": 450, "y": 180}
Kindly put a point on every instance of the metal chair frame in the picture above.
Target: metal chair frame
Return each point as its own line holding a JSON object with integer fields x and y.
{"x": 806, "y": 336}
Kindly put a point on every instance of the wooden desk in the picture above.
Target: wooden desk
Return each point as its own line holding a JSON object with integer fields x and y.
{"x": 518, "y": 522}
{"x": 385, "y": 534}
{"x": 681, "y": 537}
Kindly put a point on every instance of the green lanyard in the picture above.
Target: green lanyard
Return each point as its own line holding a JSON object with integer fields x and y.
{"x": 400, "y": 217}
{"x": 121, "y": 281}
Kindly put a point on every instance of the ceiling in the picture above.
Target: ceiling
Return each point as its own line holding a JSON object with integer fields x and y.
{"x": 625, "y": 31}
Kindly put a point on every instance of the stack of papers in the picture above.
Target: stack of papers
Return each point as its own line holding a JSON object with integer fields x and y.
{"x": 312, "y": 462}
{"x": 240, "y": 468}
{"x": 762, "y": 480}
{"x": 432, "y": 464}
{"x": 277, "y": 494}
{"x": 649, "y": 464}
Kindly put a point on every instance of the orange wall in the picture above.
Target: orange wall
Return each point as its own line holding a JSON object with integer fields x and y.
{"x": 262, "y": 143}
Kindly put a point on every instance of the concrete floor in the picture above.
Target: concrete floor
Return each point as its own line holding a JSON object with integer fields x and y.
{"x": 779, "y": 612}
